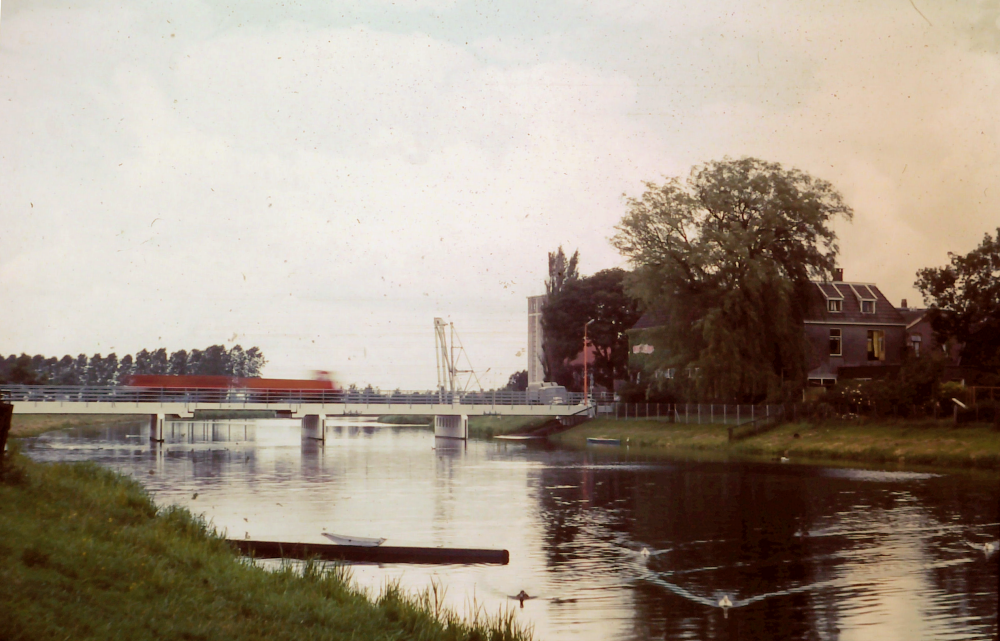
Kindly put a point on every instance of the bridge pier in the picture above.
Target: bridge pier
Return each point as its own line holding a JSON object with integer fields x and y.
{"x": 156, "y": 422}
{"x": 314, "y": 427}
{"x": 452, "y": 426}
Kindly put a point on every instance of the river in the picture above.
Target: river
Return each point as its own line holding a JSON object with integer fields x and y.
{"x": 611, "y": 545}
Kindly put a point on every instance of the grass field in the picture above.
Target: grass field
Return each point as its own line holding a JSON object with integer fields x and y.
{"x": 928, "y": 442}
{"x": 23, "y": 425}
{"x": 403, "y": 419}
{"x": 479, "y": 426}
{"x": 85, "y": 554}
{"x": 490, "y": 426}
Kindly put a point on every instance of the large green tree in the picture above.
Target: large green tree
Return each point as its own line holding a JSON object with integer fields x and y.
{"x": 562, "y": 271}
{"x": 725, "y": 257}
{"x": 601, "y": 298}
{"x": 965, "y": 303}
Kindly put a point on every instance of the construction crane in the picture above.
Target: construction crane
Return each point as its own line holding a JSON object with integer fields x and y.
{"x": 449, "y": 352}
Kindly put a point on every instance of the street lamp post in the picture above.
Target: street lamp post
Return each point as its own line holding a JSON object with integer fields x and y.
{"x": 586, "y": 398}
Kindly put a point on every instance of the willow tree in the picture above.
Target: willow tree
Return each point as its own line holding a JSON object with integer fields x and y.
{"x": 724, "y": 258}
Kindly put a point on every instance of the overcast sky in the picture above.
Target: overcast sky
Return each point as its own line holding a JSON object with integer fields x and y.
{"x": 321, "y": 179}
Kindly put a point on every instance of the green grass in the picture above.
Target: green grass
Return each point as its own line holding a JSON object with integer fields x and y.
{"x": 208, "y": 415}
{"x": 937, "y": 443}
{"x": 24, "y": 425}
{"x": 404, "y": 419}
{"x": 479, "y": 426}
{"x": 85, "y": 554}
{"x": 490, "y": 426}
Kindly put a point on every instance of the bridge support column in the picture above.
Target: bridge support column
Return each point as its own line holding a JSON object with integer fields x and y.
{"x": 314, "y": 427}
{"x": 451, "y": 426}
{"x": 156, "y": 422}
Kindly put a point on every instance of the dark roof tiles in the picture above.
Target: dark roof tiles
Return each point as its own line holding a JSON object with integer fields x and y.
{"x": 852, "y": 294}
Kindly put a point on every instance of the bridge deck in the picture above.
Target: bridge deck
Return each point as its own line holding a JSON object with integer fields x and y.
{"x": 123, "y": 400}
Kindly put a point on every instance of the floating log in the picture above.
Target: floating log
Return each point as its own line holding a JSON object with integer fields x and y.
{"x": 357, "y": 553}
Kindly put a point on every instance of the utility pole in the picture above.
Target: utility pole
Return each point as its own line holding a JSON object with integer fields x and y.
{"x": 586, "y": 398}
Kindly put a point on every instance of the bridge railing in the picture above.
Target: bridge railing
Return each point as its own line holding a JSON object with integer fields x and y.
{"x": 123, "y": 394}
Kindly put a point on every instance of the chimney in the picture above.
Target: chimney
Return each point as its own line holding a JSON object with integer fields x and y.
{"x": 838, "y": 275}
{"x": 904, "y": 304}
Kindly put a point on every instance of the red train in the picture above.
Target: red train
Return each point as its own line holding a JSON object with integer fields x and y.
{"x": 234, "y": 389}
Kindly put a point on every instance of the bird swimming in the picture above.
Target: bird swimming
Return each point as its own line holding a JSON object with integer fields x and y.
{"x": 725, "y": 604}
{"x": 644, "y": 552}
{"x": 988, "y": 548}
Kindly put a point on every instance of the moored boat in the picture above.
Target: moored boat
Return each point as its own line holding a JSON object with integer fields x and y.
{"x": 360, "y": 541}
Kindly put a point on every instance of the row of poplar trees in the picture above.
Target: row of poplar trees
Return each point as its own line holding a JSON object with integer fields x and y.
{"x": 215, "y": 360}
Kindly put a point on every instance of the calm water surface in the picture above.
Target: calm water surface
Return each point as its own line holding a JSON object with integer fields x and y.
{"x": 802, "y": 552}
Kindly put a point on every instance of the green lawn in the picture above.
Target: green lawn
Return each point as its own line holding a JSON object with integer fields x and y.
{"x": 22, "y": 425}
{"x": 927, "y": 442}
{"x": 490, "y": 426}
{"x": 404, "y": 419}
{"x": 85, "y": 554}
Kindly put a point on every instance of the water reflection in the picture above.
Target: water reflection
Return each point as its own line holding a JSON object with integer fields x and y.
{"x": 611, "y": 545}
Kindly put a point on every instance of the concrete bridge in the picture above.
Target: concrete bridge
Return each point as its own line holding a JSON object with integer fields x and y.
{"x": 451, "y": 410}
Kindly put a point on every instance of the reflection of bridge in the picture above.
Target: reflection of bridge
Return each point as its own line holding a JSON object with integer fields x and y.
{"x": 450, "y": 409}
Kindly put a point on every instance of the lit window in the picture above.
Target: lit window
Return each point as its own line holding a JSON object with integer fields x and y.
{"x": 836, "y": 343}
{"x": 867, "y": 307}
{"x": 876, "y": 345}
{"x": 834, "y": 305}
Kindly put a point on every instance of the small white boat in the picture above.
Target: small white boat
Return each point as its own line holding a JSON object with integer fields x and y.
{"x": 360, "y": 541}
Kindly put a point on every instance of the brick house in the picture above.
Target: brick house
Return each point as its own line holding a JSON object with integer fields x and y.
{"x": 853, "y": 331}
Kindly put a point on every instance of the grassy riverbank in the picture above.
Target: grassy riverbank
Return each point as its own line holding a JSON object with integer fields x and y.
{"x": 479, "y": 426}
{"x": 221, "y": 415}
{"x": 490, "y": 426}
{"x": 23, "y": 425}
{"x": 403, "y": 419}
{"x": 936, "y": 443}
{"x": 85, "y": 554}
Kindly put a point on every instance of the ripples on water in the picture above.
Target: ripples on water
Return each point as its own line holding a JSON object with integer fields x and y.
{"x": 612, "y": 546}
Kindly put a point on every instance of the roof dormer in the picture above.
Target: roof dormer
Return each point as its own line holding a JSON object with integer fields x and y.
{"x": 866, "y": 297}
{"x": 834, "y": 299}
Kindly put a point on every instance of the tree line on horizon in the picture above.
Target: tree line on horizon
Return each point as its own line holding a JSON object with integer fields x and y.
{"x": 214, "y": 360}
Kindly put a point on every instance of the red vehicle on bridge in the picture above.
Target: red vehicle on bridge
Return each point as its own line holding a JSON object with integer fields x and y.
{"x": 221, "y": 389}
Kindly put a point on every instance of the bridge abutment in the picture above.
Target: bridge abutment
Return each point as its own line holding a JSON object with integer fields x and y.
{"x": 314, "y": 427}
{"x": 451, "y": 426}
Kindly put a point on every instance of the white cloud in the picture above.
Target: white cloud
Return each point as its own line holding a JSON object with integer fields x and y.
{"x": 324, "y": 186}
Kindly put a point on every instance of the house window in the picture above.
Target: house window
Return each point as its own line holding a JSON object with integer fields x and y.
{"x": 915, "y": 341}
{"x": 836, "y": 343}
{"x": 834, "y": 305}
{"x": 867, "y": 307}
{"x": 876, "y": 345}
